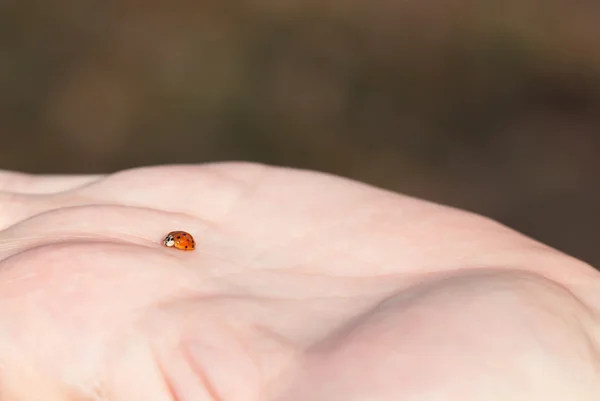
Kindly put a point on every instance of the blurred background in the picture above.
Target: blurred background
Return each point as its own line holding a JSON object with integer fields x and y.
{"x": 491, "y": 106}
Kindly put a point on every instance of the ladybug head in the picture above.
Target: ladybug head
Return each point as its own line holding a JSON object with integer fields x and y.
{"x": 169, "y": 240}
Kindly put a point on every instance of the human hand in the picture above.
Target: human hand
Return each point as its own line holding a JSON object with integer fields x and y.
{"x": 303, "y": 287}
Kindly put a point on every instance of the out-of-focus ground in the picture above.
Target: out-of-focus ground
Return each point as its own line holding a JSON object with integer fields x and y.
{"x": 492, "y": 106}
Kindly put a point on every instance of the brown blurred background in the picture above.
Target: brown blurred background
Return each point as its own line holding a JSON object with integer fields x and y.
{"x": 492, "y": 106}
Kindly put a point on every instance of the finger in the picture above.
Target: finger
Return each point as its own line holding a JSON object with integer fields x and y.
{"x": 16, "y": 207}
{"x": 25, "y": 195}
{"x": 201, "y": 190}
{"x": 23, "y": 183}
{"x": 240, "y": 194}
{"x": 208, "y": 191}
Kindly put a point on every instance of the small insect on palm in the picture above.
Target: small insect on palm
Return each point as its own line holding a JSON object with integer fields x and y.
{"x": 180, "y": 240}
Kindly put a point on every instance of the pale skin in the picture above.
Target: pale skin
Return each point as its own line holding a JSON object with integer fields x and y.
{"x": 302, "y": 287}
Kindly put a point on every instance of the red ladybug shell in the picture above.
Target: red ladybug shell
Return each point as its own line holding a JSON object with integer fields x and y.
{"x": 180, "y": 240}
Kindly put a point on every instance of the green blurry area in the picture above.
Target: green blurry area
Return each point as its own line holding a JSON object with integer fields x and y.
{"x": 492, "y": 106}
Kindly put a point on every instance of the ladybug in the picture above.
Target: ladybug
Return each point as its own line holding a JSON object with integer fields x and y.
{"x": 180, "y": 240}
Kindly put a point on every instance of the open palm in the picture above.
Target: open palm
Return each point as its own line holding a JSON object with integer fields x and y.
{"x": 303, "y": 287}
